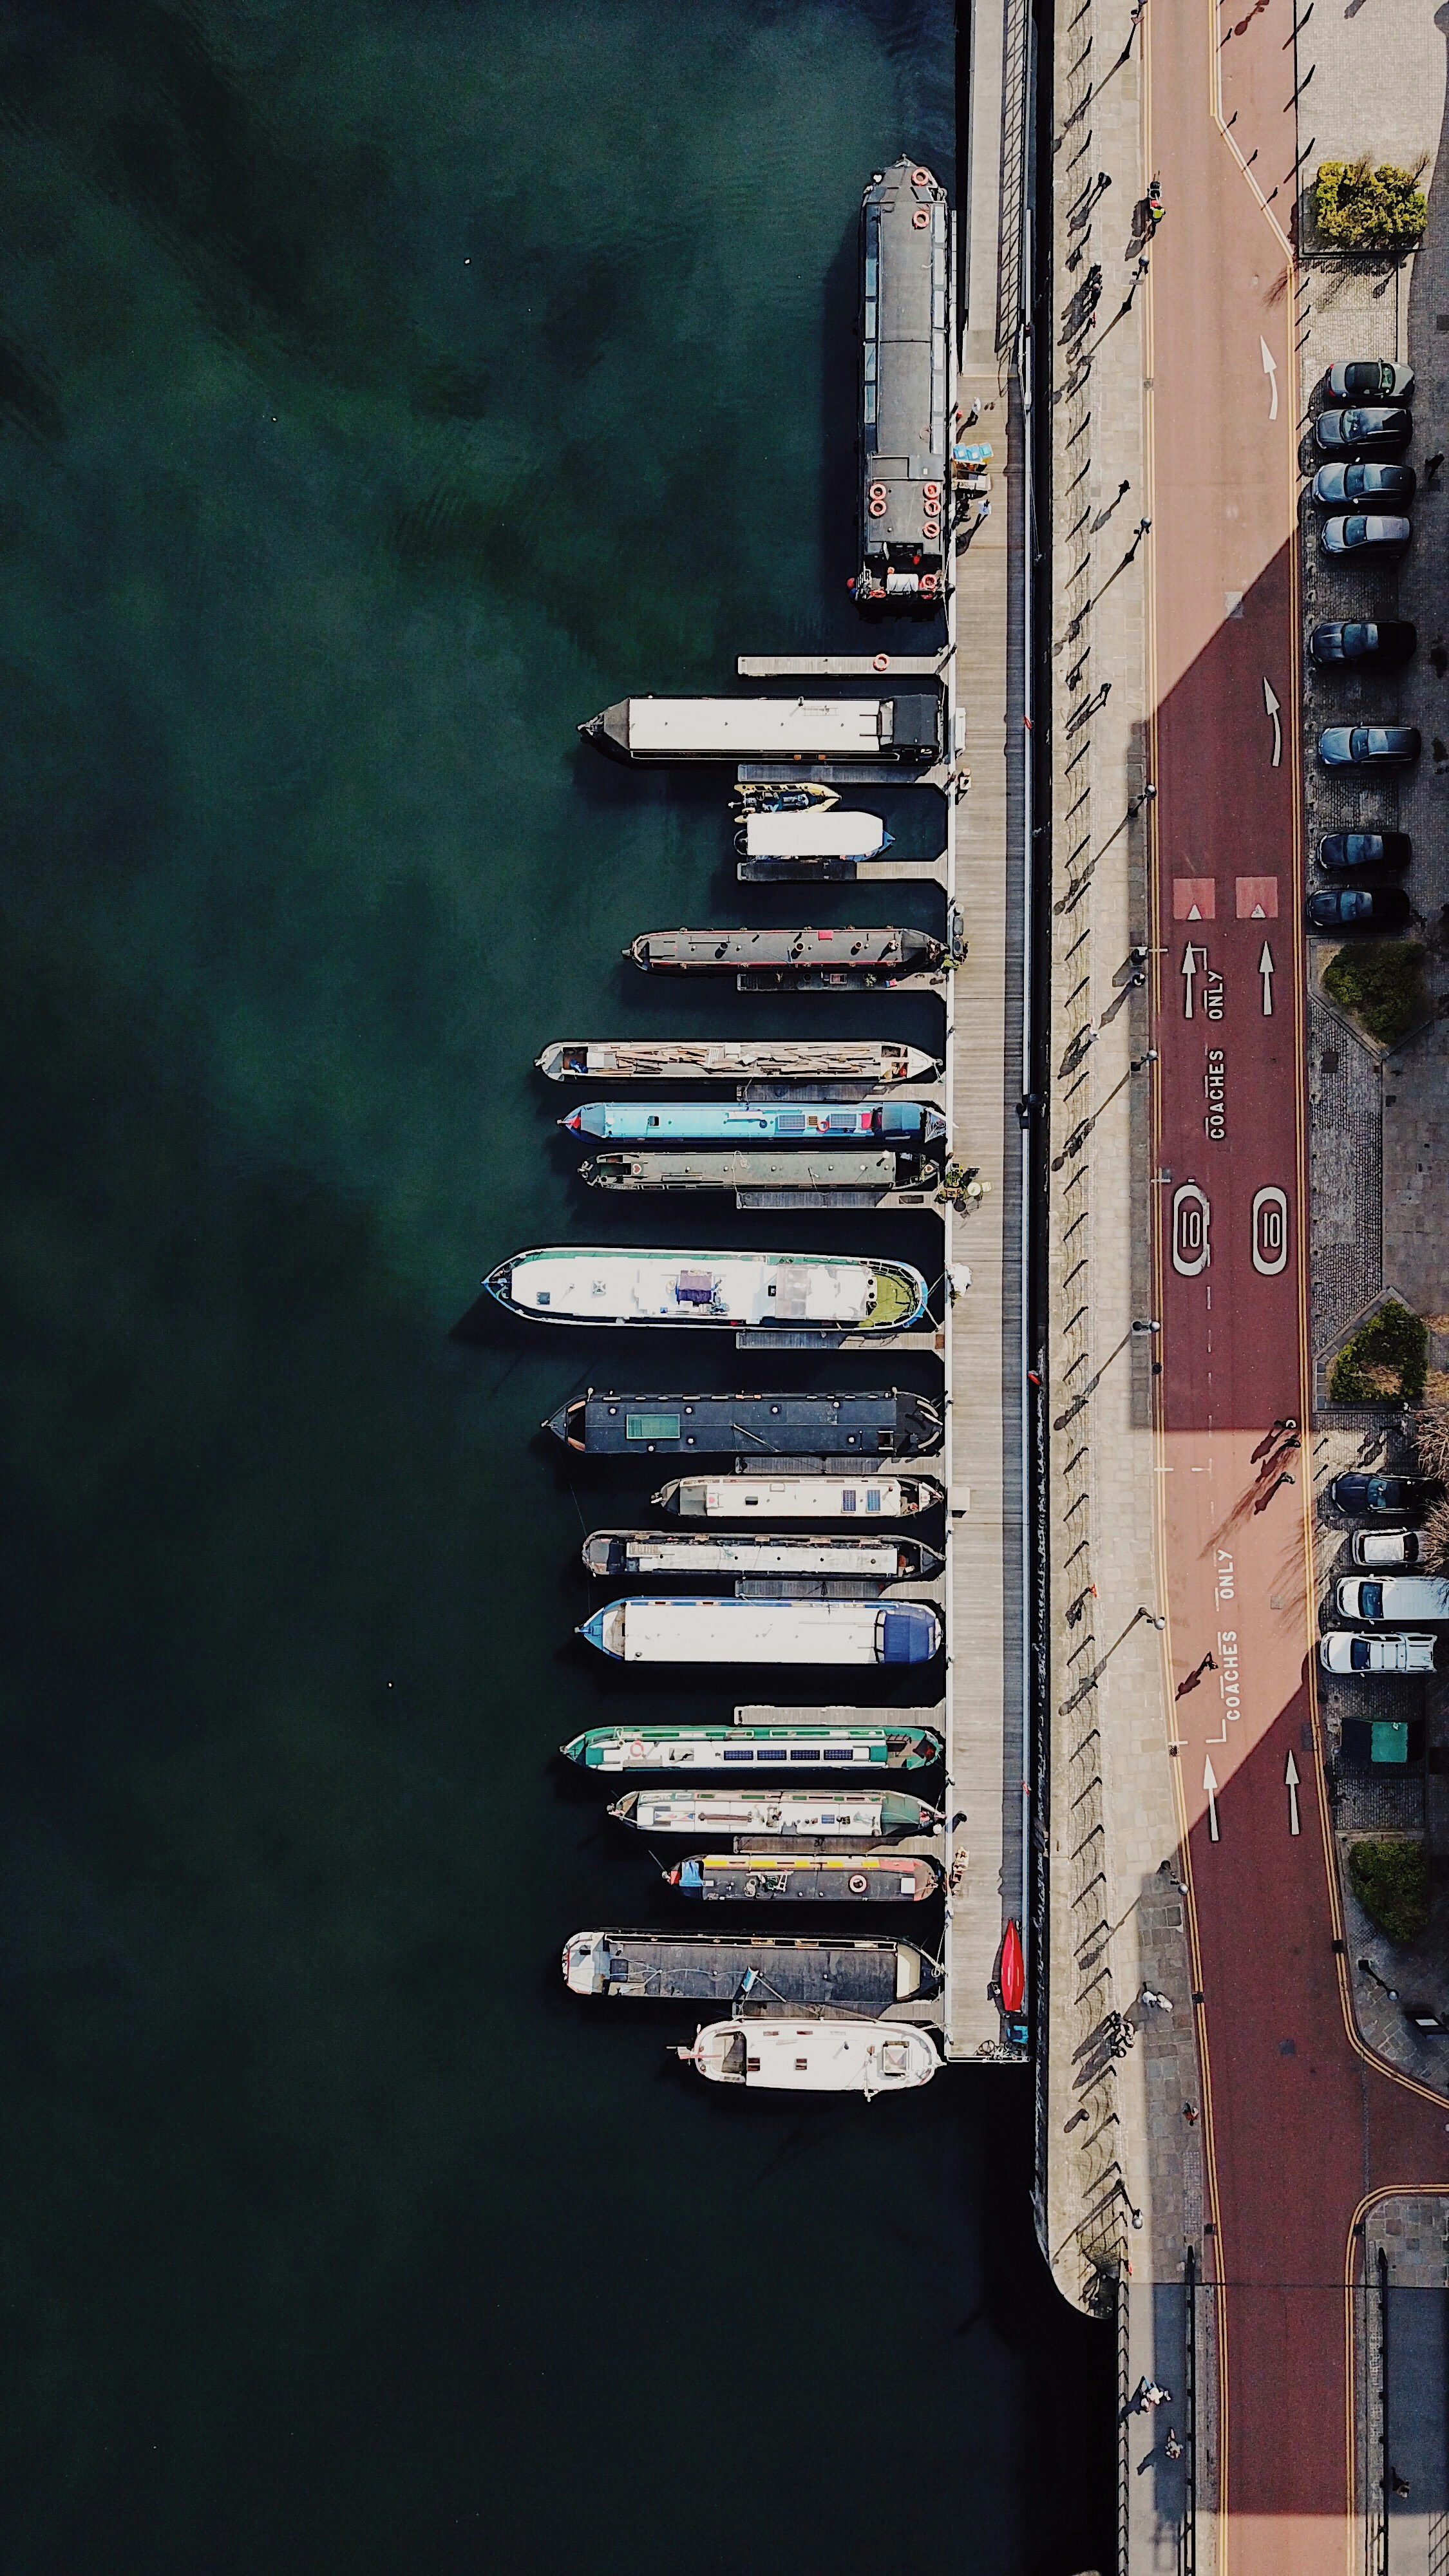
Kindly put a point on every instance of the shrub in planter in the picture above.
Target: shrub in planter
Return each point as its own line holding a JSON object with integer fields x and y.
{"x": 1380, "y": 982}
{"x": 1360, "y": 208}
{"x": 1386, "y": 1359}
{"x": 1391, "y": 1882}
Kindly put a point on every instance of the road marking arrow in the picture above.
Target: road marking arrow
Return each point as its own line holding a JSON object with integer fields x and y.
{"x": 1209, "y": 1782}
{"x": 1265, "y": 969}
{"x": 1270, "y": 370}
{"x": 1271, "y": 703}
{"x": 1189, "y": 970}
{"x": 1290, "y": 1776}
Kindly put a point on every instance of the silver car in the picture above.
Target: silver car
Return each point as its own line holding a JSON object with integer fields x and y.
{"x": 1371, "y": 1547}
{"x": 1345, "y": 1652}
{"x": 1361, "y": 535}
{"x": 1391, "y": 1596}
{"x": 1370, "y": 380}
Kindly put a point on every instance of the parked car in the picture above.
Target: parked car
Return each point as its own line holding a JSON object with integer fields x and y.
{"x": 1363, "y": 640}
{"x": 1361, "y": 535}
{"x": 1370, "y": 380}
{"x": 1362, "y": 1497}
{"x": 1386, "y": 1547}
{"x": 1345, "y": 1652}
{"x": 1375, "y": 1597}
{"x": 1380, "y": 428}
{"x": 1339, "y": 853}
{"x": 1367, "y": 746}
{"x": 1342, "y": 483}
{"x": 1357, "y": 908}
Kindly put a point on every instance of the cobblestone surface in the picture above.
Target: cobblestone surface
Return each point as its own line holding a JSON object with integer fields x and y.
{"x": 1345, "y": 1155}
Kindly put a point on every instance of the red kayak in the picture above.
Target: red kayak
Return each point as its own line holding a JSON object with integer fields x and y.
{"x": 1011, "y": 1975}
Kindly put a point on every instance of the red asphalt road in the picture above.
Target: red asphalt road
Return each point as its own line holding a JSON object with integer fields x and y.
{"x": 1302, "y": 2127}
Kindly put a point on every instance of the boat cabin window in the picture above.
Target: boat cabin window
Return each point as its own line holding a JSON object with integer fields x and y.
{"x": 652, "y": 1426}
{"x": 745, "y": 1755}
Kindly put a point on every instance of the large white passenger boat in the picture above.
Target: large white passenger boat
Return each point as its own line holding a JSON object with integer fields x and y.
{"x": 808, "y": 1291}
{"x": 866, "y": 2057}
{"x": 657, "y": 1630}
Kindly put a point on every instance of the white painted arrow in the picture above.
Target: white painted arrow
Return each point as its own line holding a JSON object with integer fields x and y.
{"x": 1290, "y": 1776}
{"x": 1209, "y": 1782}
{"x": 1271, "y": 703}
{"x": 1265, "y": 969}
{"x": 1189, "y": 970}
{"x": 1270, "y": 370}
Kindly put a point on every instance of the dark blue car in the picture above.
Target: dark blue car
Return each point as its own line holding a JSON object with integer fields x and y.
{"x": 1361, "y": 1497}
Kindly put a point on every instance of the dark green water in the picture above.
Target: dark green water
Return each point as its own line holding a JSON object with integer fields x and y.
{"x": 384, "y": 388}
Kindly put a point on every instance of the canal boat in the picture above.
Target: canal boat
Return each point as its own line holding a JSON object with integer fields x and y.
{"x": 889, "y": 1422}
{"x": 866, "y": 1815}
{"x": 905, "y": 401}
{"x": 805, "y": 1498}
{"x": 897, "y": 732}
{"x": 835, "y": 1123}
{"x": 809, "y": 1292}
{"x": 761, "y": 1745}
{"x": 628, "y": 1554}
{"x": 839, "y": 835}
{"x": 750, "y": 1971}
{"x": 834, "y": 2056}
{"x": 767, "y": 1060}
{"x": 741, "y": 1169}
{"x": 886, "y": 953}
{"x": 667, "y": 1630}
{"x": 805, "y": 1878}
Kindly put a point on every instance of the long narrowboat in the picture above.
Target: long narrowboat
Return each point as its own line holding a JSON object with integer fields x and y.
{"x": 663, "y": 1630}
{"x": 629, "y": 1554}
{"x": 903, "y": 732}
{"x": 886, "y": 953}
{"x": 808, "y": 1291}
{"x": 696, "y": 1167}
{"x": 805, "y": 1878}
{"x": 866, "y": 1815}
{"x": 905, "y": 489}
{"x": 763, "y": 1746}
{"x": 835, "y": 2056}
{"x": 805, "y": 1498}
{"x": 751, "y": 1971}
{"x": 764, "y": 1122}
{"x": 890, "y": 1422}
{"x": 736, "y": 1060}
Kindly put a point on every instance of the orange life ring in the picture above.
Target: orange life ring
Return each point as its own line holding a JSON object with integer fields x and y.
{"x": 919, "y": 220}
{"x": 857, "y": 1882}
{"x": 930, "y": 527}
{"x": 882, "y": 662}
{"x": 877, "y": 509}
{"x": 879, "y": 492}
{"x": 922, "y": 179}
{"x": 932, "y": 491}
{"x": 928, "y": 585}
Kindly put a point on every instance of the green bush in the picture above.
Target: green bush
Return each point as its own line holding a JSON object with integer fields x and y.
{"x": 1391, "y": 1882}
{"x": 1381, "y": 982}
{"x": 1388, "y": 1356}
{"x": 1365, "y": 209}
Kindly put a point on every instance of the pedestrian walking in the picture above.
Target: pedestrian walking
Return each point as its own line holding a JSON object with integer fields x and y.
{"x": 1399, "y": 2482}
{"x": 1189, "y": 2113}
{"x": 1154, "y": 2001}
{"x": 1289, "y": 1422}
{"x": 1172, "y": 2446}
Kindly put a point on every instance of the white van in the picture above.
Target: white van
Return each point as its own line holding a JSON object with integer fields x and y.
{"x": 1398, "y": 1597}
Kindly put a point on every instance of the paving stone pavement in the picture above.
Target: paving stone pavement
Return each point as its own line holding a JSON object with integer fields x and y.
{"x": 1345, "y": 1155}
